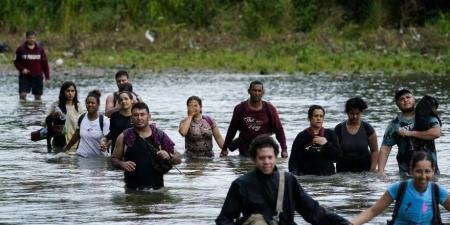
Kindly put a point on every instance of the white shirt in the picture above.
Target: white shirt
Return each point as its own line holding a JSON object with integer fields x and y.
{"x": 91, "y": 135}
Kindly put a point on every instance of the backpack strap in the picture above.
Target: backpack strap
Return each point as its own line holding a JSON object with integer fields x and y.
{"x": 435, "y": 200}
{"x": 398, "y": 201}
{"x": 101, "y": 122}
{"x": 280, "y": 198}
{"x": 80, "y": 119}
{"x": 209, "y": 120}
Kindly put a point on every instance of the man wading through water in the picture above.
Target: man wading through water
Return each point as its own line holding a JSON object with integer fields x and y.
{"x": 31, "y": 62}
{"x": 255, "y": 194}
{"x": 132, "y": 152}
{"x": 253, "y": 117}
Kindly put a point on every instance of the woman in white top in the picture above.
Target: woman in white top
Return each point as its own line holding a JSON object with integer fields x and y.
{"x": 91, "y": 129}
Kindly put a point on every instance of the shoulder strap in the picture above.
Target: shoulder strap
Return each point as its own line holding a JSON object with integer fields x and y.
{"x": 398, "y": 200}
{"x": 208, "y": 119}
{"x": 80, "y": 119}
{"x": 435, "y": 200}
{"x": 280, "y": 197}
{"x": 269, "y": 114}
{"x": 101, "y": 122}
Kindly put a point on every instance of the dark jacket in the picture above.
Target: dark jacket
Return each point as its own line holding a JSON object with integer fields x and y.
{"x": 256, "y": 192}
{"x": 314, "y": 159}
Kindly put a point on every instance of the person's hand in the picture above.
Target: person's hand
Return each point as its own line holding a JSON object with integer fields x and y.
{"x": 404, "y": 132}
{"x": 284, "y": 154}
{"x": 319, "y": 140}
{"x": 25, "y": 71}
{"x": 224, "y": 153}
{"x": 128, "y": 166}
{"x": 163, "y": 154}
{"x": 104, "y": 144}
{"x": 192, "y": 112}
{"x": 46, "y": 81}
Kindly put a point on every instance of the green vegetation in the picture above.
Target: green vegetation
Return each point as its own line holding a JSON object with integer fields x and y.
{"x": 265, "y": 36}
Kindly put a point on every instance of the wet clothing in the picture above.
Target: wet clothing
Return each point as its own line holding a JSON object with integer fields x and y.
{"x": 29, "y": 83}
{"x": 118, "y": 123}
{"x": 313, "y": 159}
{"x": 90, "y": 136}
{"x": 256, "y": 192}
{"x": 252, "y": 123}
{"x": 198, "y": 140}
{"x": 355, "y": 148}
{"x": 35, "y": 60}
{"x": 138, "y": 151}
{"x": 70, "y": 117}
{"x": 405, "y": 147}
{"x": 416, "y": 207}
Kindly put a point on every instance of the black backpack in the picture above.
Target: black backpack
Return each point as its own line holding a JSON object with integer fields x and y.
{"x": 435, "y": 202}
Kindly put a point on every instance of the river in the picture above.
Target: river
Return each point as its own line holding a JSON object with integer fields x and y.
{"x": 42, "y": 188}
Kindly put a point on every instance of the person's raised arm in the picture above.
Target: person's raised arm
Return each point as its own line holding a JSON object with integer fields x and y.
{"x": 373, "y": 211}
{"x": 373, "y": 146}
{"x": 429, "y": 134}
{"x": 185, "y": 124}
{"x": 382, "y": 158}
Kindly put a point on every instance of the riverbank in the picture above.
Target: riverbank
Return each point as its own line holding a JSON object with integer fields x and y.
{"x": 414, "y": 50}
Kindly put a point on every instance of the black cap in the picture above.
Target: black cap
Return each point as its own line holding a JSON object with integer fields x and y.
{"x": 401, "y": 91}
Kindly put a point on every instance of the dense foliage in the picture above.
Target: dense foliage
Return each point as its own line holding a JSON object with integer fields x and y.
{"x": 250, "y": 18}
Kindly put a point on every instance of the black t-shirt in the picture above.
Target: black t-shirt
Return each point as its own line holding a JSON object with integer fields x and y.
{"x": 118, "y": 123}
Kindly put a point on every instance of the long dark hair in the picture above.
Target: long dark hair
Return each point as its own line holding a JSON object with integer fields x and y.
{"x": 425, "y": 109}
{"x": 62, "y": 96}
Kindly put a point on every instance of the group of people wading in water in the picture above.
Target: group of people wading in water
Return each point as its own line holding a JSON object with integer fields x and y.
{"x": 265, "y": 195}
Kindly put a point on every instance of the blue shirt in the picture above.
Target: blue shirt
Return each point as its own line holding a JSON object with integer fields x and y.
{"x": 416, "y": 207}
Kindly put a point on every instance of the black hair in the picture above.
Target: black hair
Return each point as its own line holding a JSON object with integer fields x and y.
{"x": 255, "y": 82}
{"x": 121, "y": 73}
{"x": 125, "y": 92}
{"x": 126, "y": 87}
{"x": 314, "y": 107}
{"x": 141, "y": 105}
{"x": 95, "y": 94}
{"x": 195, "y": 98}
{"x": 263, "y": 141}
{"x": 30, "y": 33}
{"x": 355, "y": 103}
{"x": 419, "y": 156}
{"x": 62, "y": 96}
{"x": 425, "y": 109}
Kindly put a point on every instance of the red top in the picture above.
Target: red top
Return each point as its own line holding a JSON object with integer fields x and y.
{"x": 252, "y": 123}
{"x": 35, "y": 60}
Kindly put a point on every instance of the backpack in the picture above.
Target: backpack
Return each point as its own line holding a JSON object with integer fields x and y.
{"x": 80, "y": 119}
{"x": 435, "y": 202}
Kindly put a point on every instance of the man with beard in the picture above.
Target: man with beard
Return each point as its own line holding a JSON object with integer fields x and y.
{"x": 253, "y": 117}
{"x": 135, "y": 148}
{"x": 400, "y": 131}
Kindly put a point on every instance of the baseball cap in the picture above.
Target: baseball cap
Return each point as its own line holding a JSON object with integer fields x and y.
{"x": 401, "y": 91}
